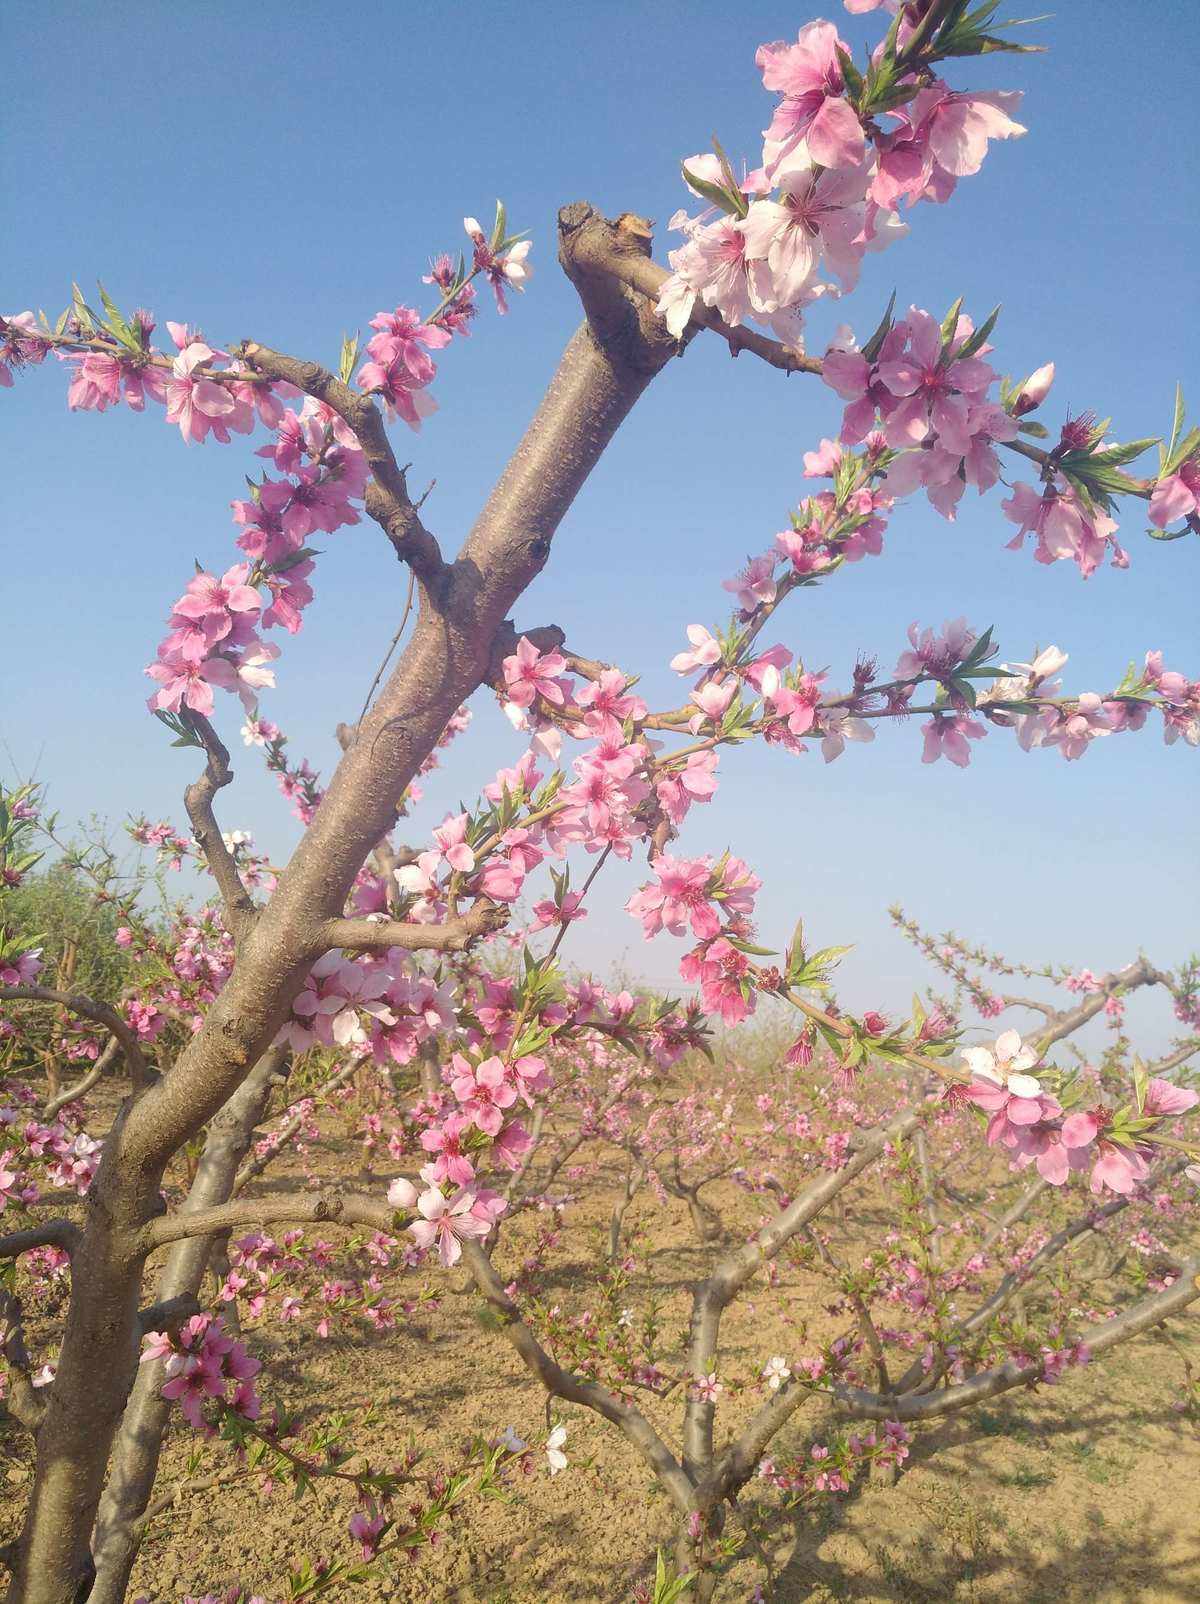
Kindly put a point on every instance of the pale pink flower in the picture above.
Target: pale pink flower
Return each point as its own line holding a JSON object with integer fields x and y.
{"x": 959, "y": 125}
{"x": 705, "y": 651}
{"x": 483, "y": 1092}
{"x": 451, "y": 837}
{"x": 446, "y": 1223}
{"x": 529, "y": 673}
{"x": 809, "y": 76}
{"x": 198, "y": 406}
{"x": 818, "y": 217}
{"x": 1178, "y": 495}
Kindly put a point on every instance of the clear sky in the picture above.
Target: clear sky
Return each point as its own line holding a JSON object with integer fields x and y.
{"x": 284, "y": 171}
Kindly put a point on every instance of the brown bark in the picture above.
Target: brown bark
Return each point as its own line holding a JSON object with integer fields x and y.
{"x": 604, "y": 370}
{"x": 135, "y": 1454}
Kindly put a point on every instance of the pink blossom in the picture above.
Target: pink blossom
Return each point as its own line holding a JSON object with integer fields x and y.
{"x": 199, "y": 406}
{"x": 705, "y": 651}
{"x": 1178, "y": 495}
{"x": 529, "y": 673}
{"x": 695, "y": 782}
{"x": 946, "y": 735}
{"x": 511, "y": 1146}
{"x": 448, "y": 1222}
{"x": 446, "y": 1141}
{"x": 1033, "y": 392}
{"x": 451, "y": 837}
{"x": 681, "y": 896}
{"x": 1062, "y": 526}
{"x": 1120, "y": 1169}
{"x": 960, "y": 125}
{"x": 809, "y": 76}
{"x": 935, "y": 390}
{"x": 402, "y": 1194}
{"x": 503, "y": 270}
{"x": 818, "y": 217}
{"x": 756, "y": 582}
{"x": 1163, "y": 1099}
{"x": 483, "y": 1092}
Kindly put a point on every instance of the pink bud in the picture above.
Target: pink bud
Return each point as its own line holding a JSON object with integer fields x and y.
{"x": 1034, "y": 391}
{"x": 402, "y": 1194}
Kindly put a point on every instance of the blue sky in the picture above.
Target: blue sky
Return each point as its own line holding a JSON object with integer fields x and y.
{"x": 270, "y": 171}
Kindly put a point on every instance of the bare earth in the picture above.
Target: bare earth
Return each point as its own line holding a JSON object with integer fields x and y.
{"x": 1076, "y": 1492}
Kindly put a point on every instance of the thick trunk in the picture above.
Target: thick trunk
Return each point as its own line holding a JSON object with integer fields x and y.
{"x": 450, "y": 654}
{"x": 135, "y": 1456}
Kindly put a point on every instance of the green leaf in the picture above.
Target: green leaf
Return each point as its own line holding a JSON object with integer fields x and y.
{"x": 854, "y": 78}
{"x": 735, "y": 189}
{"x": 1187, "y": 447}
{"x": 499, "y": 226}
{"x": 981, "y": 649}
{"x": 872, "y": 348}
{"x": 84, "y": 315}
{"x": 1117, "y": 456}
{"x": 348, "y": 357}
{"x": 1167, "y": 534}
{"x": 116, "y": 322}
{"x": 733, "y": 206}
{"x": 1177, "y": 420}
{"x": 980, "y": 336}
{"x": 1031, "y": 427}
{"x": 950, "y": 323}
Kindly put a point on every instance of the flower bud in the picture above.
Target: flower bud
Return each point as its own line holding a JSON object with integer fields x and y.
{"x": 1034, "y": 391}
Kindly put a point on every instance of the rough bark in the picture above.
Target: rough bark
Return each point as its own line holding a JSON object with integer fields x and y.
{"x": 606, "y": 366}
{"x": 134, "y": 1464}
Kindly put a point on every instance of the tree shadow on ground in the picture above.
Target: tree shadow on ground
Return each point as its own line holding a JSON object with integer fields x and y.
{"x": 956, "y": 1548}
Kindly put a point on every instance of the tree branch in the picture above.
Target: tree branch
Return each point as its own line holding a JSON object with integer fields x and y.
{"x": 560, "y": 1383}
{"x": 23, "y": 1401}
{"x": 85, "y": 1084}
{"x": 713, "y": 1295}
{"x": 238, "y": 905}
{"x": 647, "y": 278}
{"x": 387, "y": 501}
{"x": 1151, "y": 1311}
{"x": 324, "y": 1208}
{"x": 63, "y": 1234}
{"x": 452, "y": 935}
{"x": 77, "y": 1002}
{"x": 445, "y": 659}
{"x": 1140, "y": 973}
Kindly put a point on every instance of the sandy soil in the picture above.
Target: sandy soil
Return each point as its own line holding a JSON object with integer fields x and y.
{"x": 1085, "y": 1491}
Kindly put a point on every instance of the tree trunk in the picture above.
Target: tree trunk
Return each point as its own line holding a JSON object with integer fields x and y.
{"x": 135, "y": 1457}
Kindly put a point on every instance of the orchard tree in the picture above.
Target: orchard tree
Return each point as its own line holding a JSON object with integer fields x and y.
{"x": 361, "y": 952}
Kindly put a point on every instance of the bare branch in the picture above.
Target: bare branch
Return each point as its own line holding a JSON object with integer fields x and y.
{"x": 77, "y": 1002}
{"x": 168, "y": 1315}
{"x": 22, "y": 1401}
{"x": 63, "y": 1234}
{"x": 324, "y": 1208}
{"x": 561, "y": 1383}
{"x": 84, "y": 1085}
{"x": 292, "y": 1121}
{"x": 452, "y": 935}
{"x": 1016, "y": 1211}
{"x": 722, "y": 1286}
{"x": 1134, "y": 975}
{"x": 1091, "y": 1221}
{"x": 239, "y": 906}
{"x": 1181, "y": 1054}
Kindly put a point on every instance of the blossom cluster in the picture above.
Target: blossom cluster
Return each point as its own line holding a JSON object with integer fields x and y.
{"x": 1030, "y": 1121}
